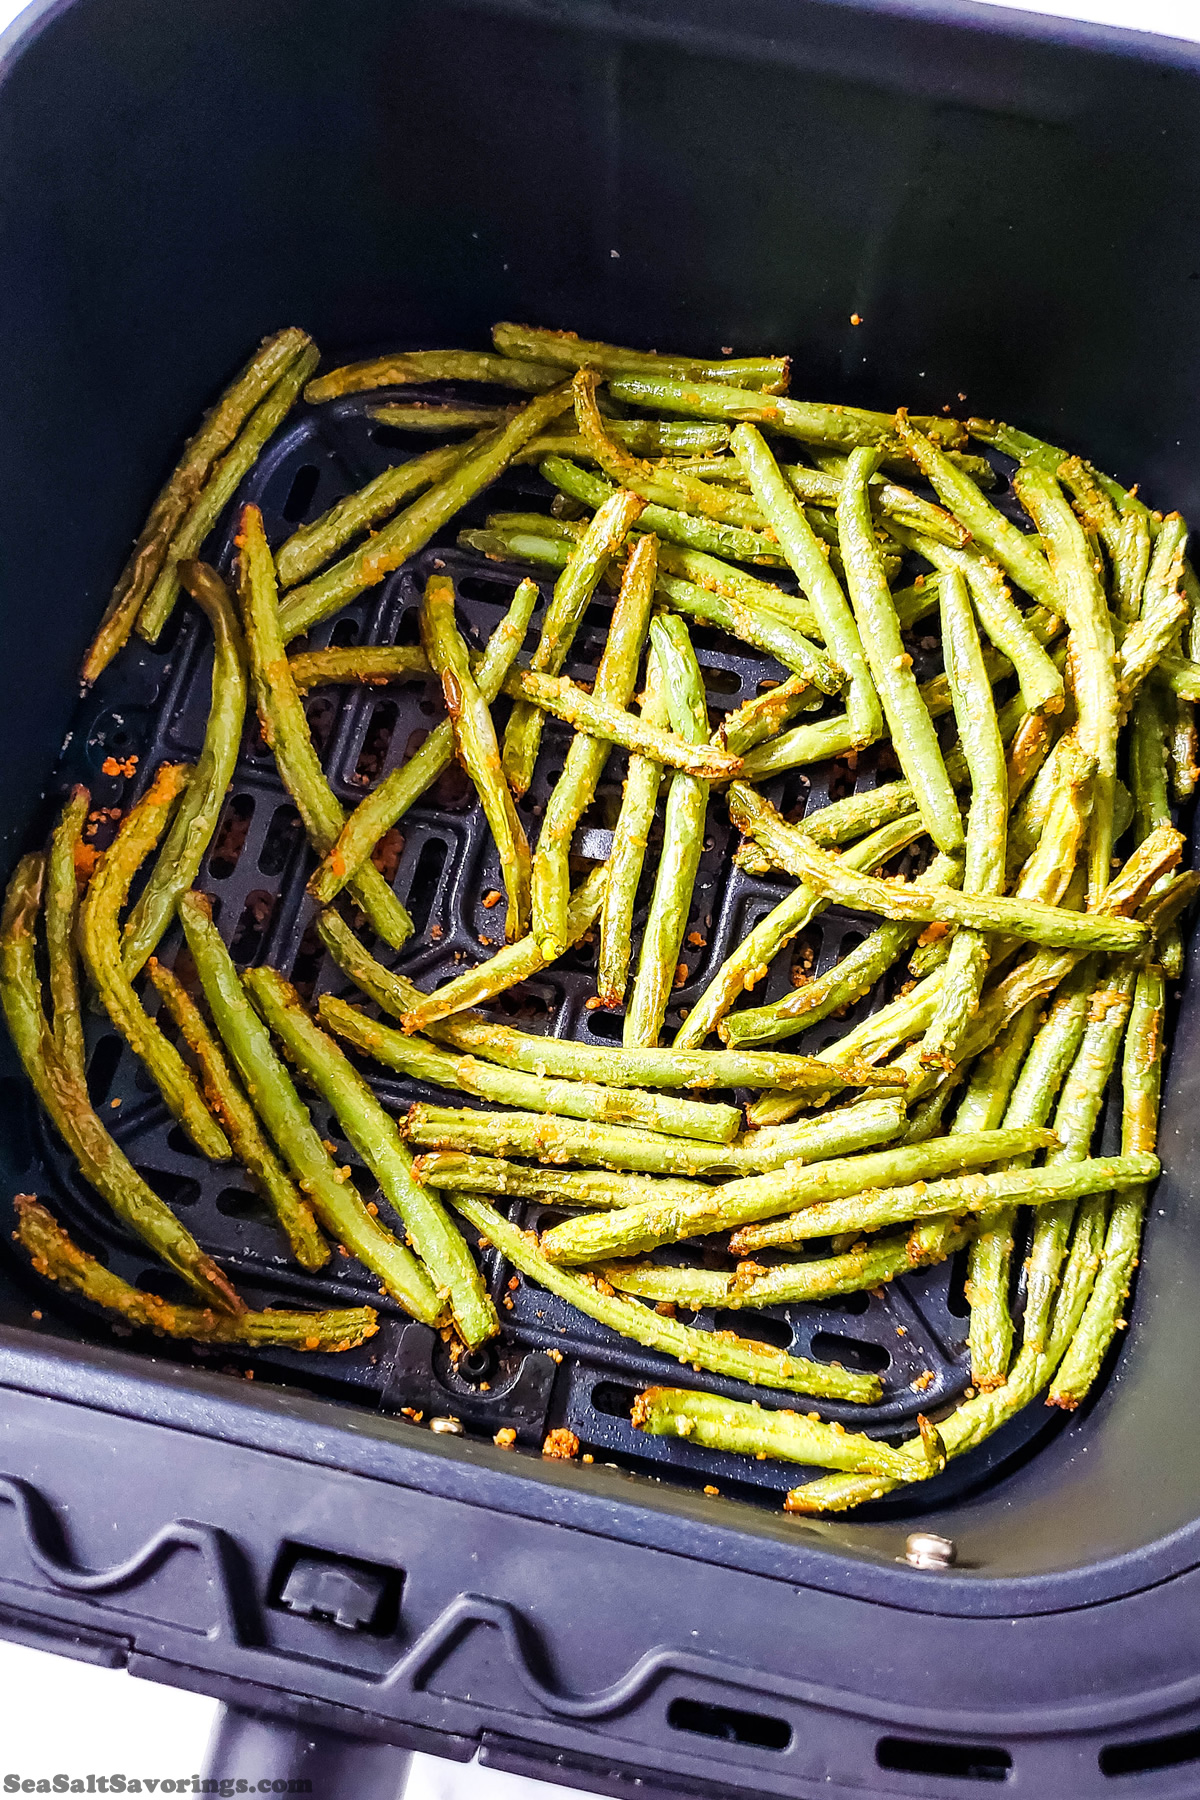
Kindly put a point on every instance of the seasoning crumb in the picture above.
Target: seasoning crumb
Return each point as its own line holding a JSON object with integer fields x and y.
{"x": 412, "y": 1413}
{"x": 561, "y": 1445}
{"x": 856, "y": 318}
{"x": 924, "y": 1380}
{"x": 712, "y": 1490}
{"x": 505, "y": 1438}
{"x": 492, "y": 898}
{"x": 587, "y": 1457}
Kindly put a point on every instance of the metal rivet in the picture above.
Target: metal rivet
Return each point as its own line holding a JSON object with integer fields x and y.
{"x": 446, "y": 1427}
{"x": 926, "y": 1550}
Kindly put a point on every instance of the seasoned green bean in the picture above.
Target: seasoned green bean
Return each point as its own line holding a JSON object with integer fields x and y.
{"x": 865, "y": 1266}
{"x": 372, "y": 665}
{"x": 721, "y": 1352}
{"x": 333, "y": 1196}
{"x": 590, "y": 558}
{"x": 843, "y": 984}
{"x": 285, "y": 728}
{"x": 373, "y": 817}
{"x": 62, "y": 917}
{"x": 1163, "y": 608}
{"x": 566, "y": 700}
{"x": 410, "y": 530}
{"x": 764, "y": 716}
{"x": 762, "y": 629}
{"x": 240, "y": 1121}
{"x": 217, "y": 432}
{"x": 218, "y": 490}
{"x": 627, "y": 857}
{"x": 575, "y": 789}
{"x": 574, "y": 1187}
{"x": 709, "y": 537}
{"x": 186, "y": 843}
{"x": 895, "y": 504}
{"x": 405, "y": 367}
{"x": 564, "y": 348}
{"x": 682, "y": 845}
{"x": 731, "y": 1425}
{"x": 830, "y": 427}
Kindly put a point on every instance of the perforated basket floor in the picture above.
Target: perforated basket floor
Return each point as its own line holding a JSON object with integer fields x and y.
{"x": 551, "y": 1366}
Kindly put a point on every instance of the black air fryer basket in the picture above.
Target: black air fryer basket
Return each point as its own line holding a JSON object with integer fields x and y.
{"x": 1011, "y": 206}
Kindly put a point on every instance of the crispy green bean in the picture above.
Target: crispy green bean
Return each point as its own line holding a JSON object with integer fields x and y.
{"x": 1185, "y": 751}
{"x": 830, "y": 1178}
{"x": 222, "y": 483}
{"x": 311, "y": 546}
{"x": 898, "y": 504}
{"x": 1141, "y": 1079}
{"x": 735, "y": 584}
{"x": 100, "y": 944}
{"x": 431, "y": 1232}
{"x": 1182, "y": 676}
{"x": 843, "y": 984}
{"x": 371, "y": 665}
{"x": 564, "y": 348}
{"x": 575, "y": 789}
{"x": 217, "y": 432}
{"x": 1018, "y": 555}
{"x": 807, "y": 561}
{"x": 731, "y": 1425}
{"x": 870, "y": 1122}
{"x": 333, "y": 1196}
{"x": 438, "y": 416}
{"x": 724, "y": 1354}
{"x": 627, "y": 857}
{"x": 764, "y": 716}
{"x": 987, "y": 822}
{"x": 1163, "y": 608}
{"x": 598, "y": 718}
{"x": 682, "y": 845}
{"x": 803, "y": 745}
{"x": 1053, "y": 926}
{"x": 764, "y": 630}
{"x": 1040, "y": 681}
{"x": 186, "y": 843}
{"x": 410, "y": 530}
{"x": 534, "y": 1092}
{"x": 590, "y": 558}
{"x": 285, "y": 728}
{"x": 373, "y": 817}
{"x": 653, "y": 437}
{"x": 595, "y": 1188}
{"x": 829, "y": 427}
{"x": 54, "y": 1255}
{"x": 477, "y": 747}
{"x": 240, "y": 1121}
{"x": 667, "y": 1282}
{"x": 62, "y": 916}
{"x": 1151, "y": 798}
{"x": 516, "y": 962}
{"x": 1086, "y": 610}
{"x": 404, "y": 367}
{"x": 913, "y": 736}
{"x": 64, "y": 1096}
{"x": 864, "y": 1266}
{"x": 1048, "y": 870}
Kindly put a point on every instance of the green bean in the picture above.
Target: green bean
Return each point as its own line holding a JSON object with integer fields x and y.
{"x": 431, "y": 1232}
{"x": 54, "y": 1255}
{"x": 516, "y": 962}
{"x": 1182, "y": 676}
{"x": 285, "y": 727}
{"x": 865, "y": 1266}
{"x": 62, "y": 916}
{"x": 762, "y": 629}
{"x": 1185, "y": 750}
{"x": 749, "y": 963}
{"x": 374, "y": 816}
{"x": 977, "y": 1192}
{"x": 333, "y": 1196}
{"x": 807, "y": 561}
{"x": 217, "y": 432}
{"x": 739, "y": 1205}
{"x": 825, "y": 487}
{"x": 1141, "y": 1079}
{"x": 1040, "y": 682}
{"x": 574, "y": 1187}
{"x": 372, "y": 665}
{"x": 403, "y": 367}
{"x": 987, "y": 821}
{"x": 764, "y": 716}
{"x": 186, "y": 843}
{"x": 1048, "y": 870}
{"x": 437, "y": 416}
{"x": 410, "y": 530}
{"x": 1018, "y": 555}
{"x": 912, "y": 732}
{"x": 656, "y": 482}
{"x": 218, "y": 490}
{"x": 100, "y": 944}
{"x": 802, "y": 746}
{"x": 240, "y": 1122}
{"x": 1124, "y": 534}
{"x": 1031, "y": 744}
{"x": 477, "y": 747}
{"x": 64, "y": 1097}
{"x": 1132, "y": 564}
{"x": 682, "y": 845}
{"x": 627, "y": 858}
{"x": 590, "y": 558}
{"x": 669, "y": 1285}
{"x": 830, "y": 427}
{"x": 916, "y": 602}
{"x": 1083, "y": 1090}
{"x": 534, "y": 1092}
{"x": 512, "y": 545}
{"x": 734, "y": 584}
{"x": 724, "y": 1354}
{"x": 1151, "y": 798}
{"x": 312, "y": 546}
{"x": 616, "y": 678}
{"x": 1086, "y": 610}
{"x": 859, "y": 1127}
{"x": 769, "y": 373}
{"x": 653, "y": 437}
{"x": 840, "y": 986}
{"x": 710, "y": 537}
{"x": 1163, "y": 608}
{"x": 1052, "y": 926}
{"x": 731, "y": 1425}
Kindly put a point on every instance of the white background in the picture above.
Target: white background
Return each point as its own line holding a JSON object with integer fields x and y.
{"x": 58, "y": 1716}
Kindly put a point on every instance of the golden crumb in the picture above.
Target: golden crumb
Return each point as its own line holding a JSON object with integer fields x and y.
{"x": 712, "y": 1490}
{"x": 505, "y": 1438}
{"x": 561, "y": 1445}
{"x": 492, "y": 898}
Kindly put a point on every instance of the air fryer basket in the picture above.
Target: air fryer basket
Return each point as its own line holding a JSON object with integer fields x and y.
{"x": 1004, "y": 209}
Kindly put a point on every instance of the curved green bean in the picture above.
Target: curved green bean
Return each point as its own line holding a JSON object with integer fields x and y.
{"x": 62, "y": 917}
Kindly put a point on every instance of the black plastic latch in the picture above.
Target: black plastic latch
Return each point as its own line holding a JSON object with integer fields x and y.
{"x": 352, "y": 1595}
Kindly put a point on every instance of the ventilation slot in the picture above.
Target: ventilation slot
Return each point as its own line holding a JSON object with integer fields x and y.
{"x": 252, "y": 926}
{"x": 1151, "y": 1753}
{"x": 422, "y": 889}
{"x": 241, "y": 1203}
{"x": 283, "y": 834}
{"x": 176, "y": 1190}
{"x": 613, "y": 1400}
{"x": 827, "y": 1346}
{"x": 960, "y": 1762}
{"x": 376, "y": 743}
{"x": 102, "y": 1068}
{"x": 758, "y": 1730}
{"x": 231, "y": 837}
{"x": 302, "y": 493}
{"x": 755, "y": 1325}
